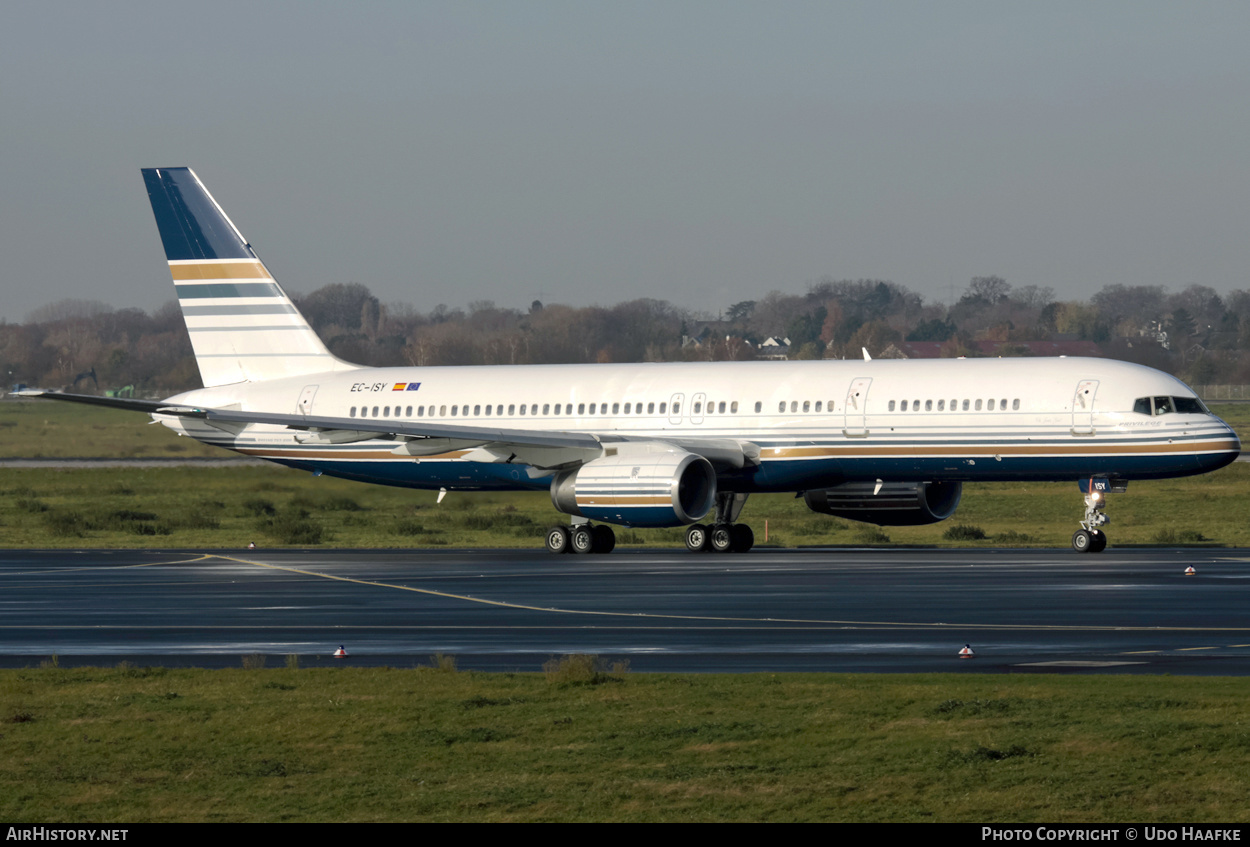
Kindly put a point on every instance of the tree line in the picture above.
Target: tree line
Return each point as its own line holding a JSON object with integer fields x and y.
{"x": 1196, "y": 333}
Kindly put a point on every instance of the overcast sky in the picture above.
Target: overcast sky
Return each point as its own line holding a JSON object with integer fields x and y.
{"x": 595, "y": 152}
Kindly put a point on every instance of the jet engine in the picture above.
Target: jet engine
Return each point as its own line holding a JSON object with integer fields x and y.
{"x": 647, "y": 488}
{"x": 895, "y": 504}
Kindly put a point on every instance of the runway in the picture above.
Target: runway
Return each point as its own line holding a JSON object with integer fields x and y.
{"x": 864, "y": 610}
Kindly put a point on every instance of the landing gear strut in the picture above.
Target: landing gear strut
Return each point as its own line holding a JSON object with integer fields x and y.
{"x": 723, "y": 536}
{"x": 1089, "y": 538}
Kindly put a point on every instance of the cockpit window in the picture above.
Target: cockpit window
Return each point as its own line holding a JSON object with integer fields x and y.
{"x": 1167, "y": 405}
{"x": 1191, "y": 406}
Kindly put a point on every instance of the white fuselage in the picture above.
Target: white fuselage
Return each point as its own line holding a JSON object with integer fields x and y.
{"x": 815, "y": 423}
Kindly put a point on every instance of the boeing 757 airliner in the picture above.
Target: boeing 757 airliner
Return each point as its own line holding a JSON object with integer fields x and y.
{"x": 656, "y": 445}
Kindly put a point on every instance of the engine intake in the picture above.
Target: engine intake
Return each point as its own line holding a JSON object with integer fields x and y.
{"x": 896, "y": 504}
{"x": 662, "y": 488}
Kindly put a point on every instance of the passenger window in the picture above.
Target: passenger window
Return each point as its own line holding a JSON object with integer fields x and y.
{"x": 928, "y": 405}
{"x": 1015, "y": 405}
{"x": 978, "y": 405}
{"x": 1002, "y": 405}
{"x": 353, "y": 412}
{"x": 616, "y": 407}
{"x": 990, "y": 407}
{"x": 697, "y": 407}
{"x": 375, "y": 411}
{"x": 650, "y": 408}
{"x": 941, "y": 405}
{"x": 421, "y": 411}
{"x": 965, "y": 405}
{"x": 453, "y": 411}
{"x": 807, "y": 405}
{"x": 488, "y": 411}
{"x": 409, "y": 412}
{"x": 759, "y": 407}
{"x": 891, "y": 406}
{"x": 794, "y": 406}
{"x": 903, "y": 406}
{"x": 664, "y": 406}
{"x": 781, "y": 407}
{"x": 915, "y": 405}
{"x": 733, "y": 407}
{"x": 676, "y": 408}
{"x": 477, "y": 411}
{"x": 512, "y": 409}
{"x": 442, "y": 411}
{"x": 721, "y": 410}
{"x": 627, "y": 408}
{"x": 818, "y": 405}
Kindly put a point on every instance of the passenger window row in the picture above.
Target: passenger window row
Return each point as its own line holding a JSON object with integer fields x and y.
{"x": 955, "y": 405}
{"x": 701, "y": 407}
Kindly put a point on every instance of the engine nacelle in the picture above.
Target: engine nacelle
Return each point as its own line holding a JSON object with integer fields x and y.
{"x": 655, "y": 488}
{"x": 896, "y": 504}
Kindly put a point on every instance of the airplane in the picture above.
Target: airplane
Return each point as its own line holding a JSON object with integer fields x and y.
{"x": 889, "y": 442}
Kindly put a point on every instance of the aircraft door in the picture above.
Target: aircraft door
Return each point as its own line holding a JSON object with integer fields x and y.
{"x": 855, "y": 409}
{"x": 674, "y": 409}
{"x": 306, "y": 399}
{"x": 696, "y": 408}
{"x": 1083, "y": 407}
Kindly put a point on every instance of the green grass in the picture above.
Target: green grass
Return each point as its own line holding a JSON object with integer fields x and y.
{"x": 276, "y": 507}
{"x": 35, "y": 429}
{"x": 346, "y": 744}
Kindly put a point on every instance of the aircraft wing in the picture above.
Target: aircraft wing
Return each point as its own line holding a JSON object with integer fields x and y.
{"x": 539, "y": 448}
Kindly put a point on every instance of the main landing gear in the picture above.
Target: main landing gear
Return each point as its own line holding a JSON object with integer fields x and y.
{"x": 581, "y": 538}
{"x": 723, "y": 536}
{"x": 1089, "y": 538}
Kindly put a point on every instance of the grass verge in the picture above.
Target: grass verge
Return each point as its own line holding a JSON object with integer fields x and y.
{"x": 345, "y": 744}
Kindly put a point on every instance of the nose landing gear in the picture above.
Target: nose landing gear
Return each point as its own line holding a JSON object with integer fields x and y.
{"x": 1090, "y": 538}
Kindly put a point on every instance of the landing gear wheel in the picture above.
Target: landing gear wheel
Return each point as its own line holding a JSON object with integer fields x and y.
{"x": 582, "y": 539}
{"x": 1099, "y": 541}
{"x": 1082, "y": 541}
{"x": 743, "y": 538}
{"x": 696, "y": 538}
{"x": 558, "y": 539}
{"x": 721, "y": 538}
{"x": 604, "y": 538}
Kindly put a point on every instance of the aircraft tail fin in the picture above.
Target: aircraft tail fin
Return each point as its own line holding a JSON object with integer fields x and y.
{"x": 243, "y": 326}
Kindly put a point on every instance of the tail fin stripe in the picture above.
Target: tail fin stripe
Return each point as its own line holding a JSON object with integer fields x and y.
{"x": 196, "y": 329}
{"x": 201, "y": 290}
{"x": 218, "y": 270}
{"x": 201, "y": 311}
